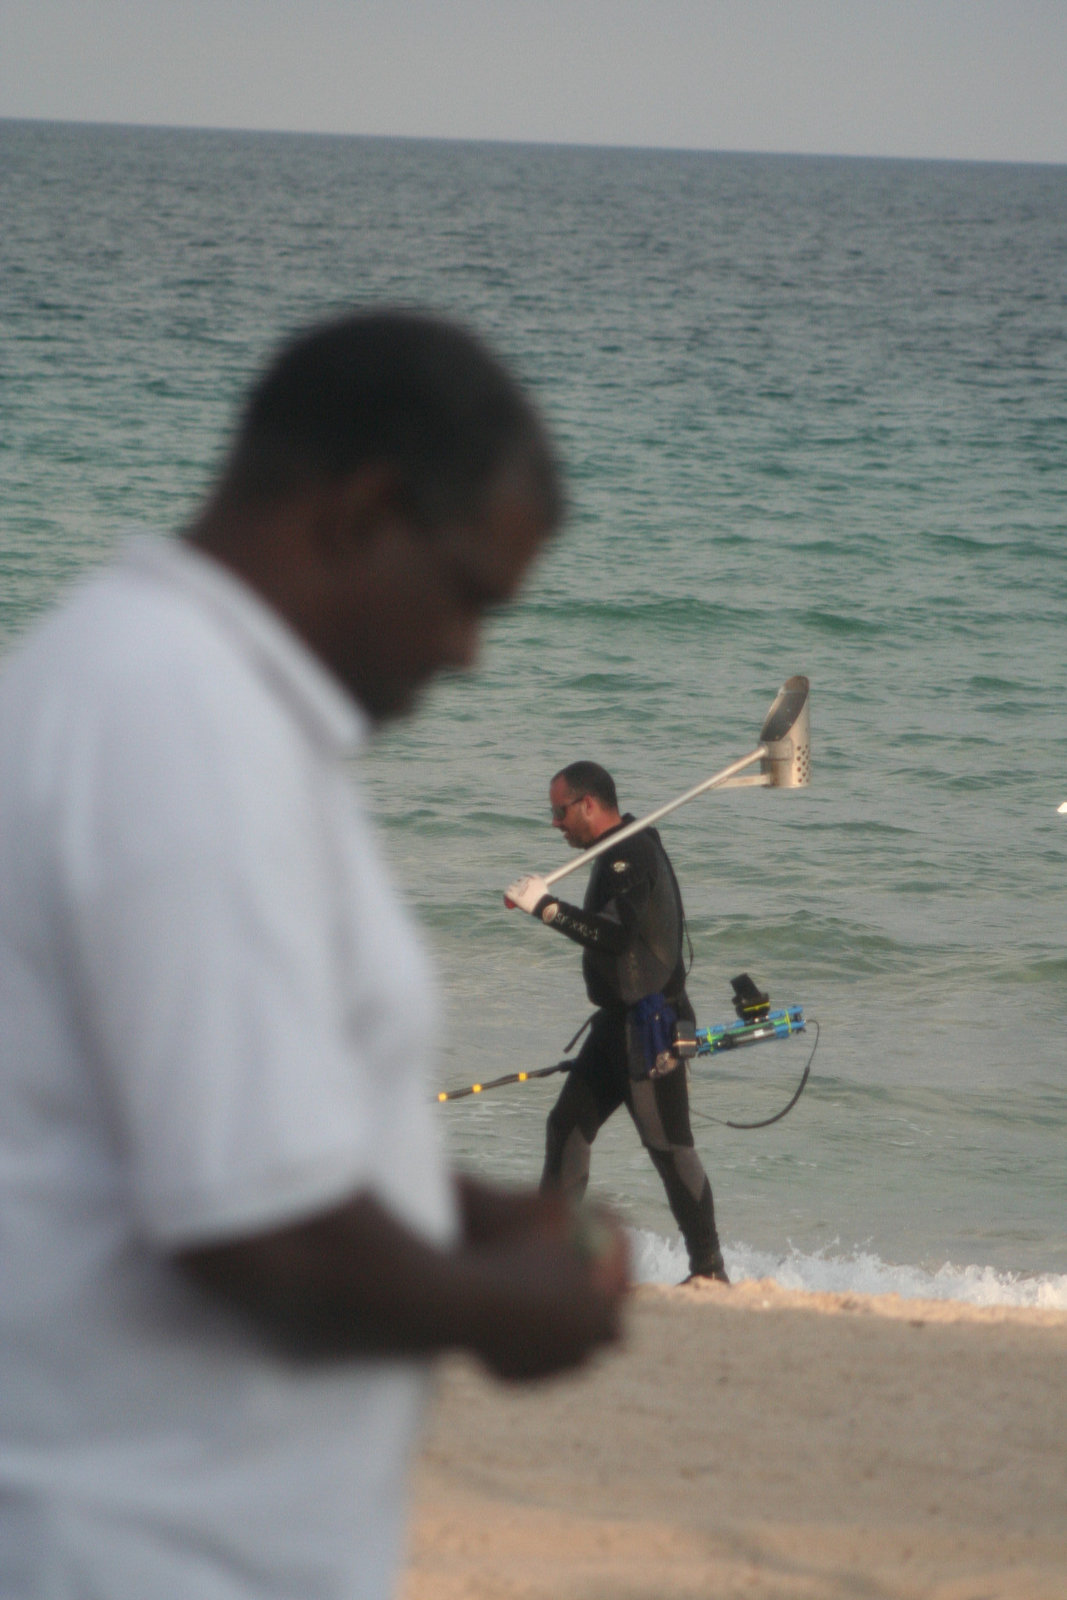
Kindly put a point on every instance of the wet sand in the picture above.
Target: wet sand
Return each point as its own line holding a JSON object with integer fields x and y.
{"x": 758, "y": 1442}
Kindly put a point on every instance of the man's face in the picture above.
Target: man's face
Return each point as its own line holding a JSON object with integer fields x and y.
{"x": 571, "y": 814}
{"x": 417, "y": 603}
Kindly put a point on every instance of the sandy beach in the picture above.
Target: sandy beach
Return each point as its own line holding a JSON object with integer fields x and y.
{"x": 753, "y": 1441}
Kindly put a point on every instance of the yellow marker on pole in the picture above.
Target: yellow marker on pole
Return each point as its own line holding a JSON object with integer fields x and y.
{"x": 495, "y": 1083}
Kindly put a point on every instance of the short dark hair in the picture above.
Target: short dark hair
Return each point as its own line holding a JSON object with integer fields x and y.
{"x": 586, "y": 777}
{"x": 399, "y": 387}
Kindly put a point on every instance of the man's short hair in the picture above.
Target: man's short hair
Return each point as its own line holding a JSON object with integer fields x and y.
{"x": 392, "y": 387}
{"x": 586, "y": 777}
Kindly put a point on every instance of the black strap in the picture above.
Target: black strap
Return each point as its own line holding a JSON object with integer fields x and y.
{"x": 767, "y": 1121}
{"x": 567, "y": 1048}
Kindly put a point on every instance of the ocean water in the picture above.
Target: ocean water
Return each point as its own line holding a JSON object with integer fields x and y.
{"x": 814, "y": 419}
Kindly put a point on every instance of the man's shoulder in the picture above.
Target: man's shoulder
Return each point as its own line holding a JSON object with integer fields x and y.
{"x": 95, "y": 637}
{"x": 121, "y": 643}
{"x": 635, "y": 856}
{"x": 161, "y": 639}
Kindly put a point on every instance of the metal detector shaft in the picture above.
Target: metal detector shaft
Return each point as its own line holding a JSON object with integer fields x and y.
{"x": 497, "y": 1083}
{"x": 631, "y": 828}
{"x": 784, "y": 753}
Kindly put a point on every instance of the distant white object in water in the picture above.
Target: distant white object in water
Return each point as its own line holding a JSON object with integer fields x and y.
{"x": 1062, "y": 809}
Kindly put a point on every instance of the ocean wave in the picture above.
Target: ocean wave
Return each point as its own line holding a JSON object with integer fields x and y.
{"x": 660, "y": 1260}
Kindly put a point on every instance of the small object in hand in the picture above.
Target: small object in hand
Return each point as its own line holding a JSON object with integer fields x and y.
{"x": 590, "y": 1236}
{"x": 602, "y": 1245}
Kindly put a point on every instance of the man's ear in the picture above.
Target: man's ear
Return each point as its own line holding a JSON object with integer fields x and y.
{"x": 351, "y": 513}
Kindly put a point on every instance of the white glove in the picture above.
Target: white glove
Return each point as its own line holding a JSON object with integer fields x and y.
{"x": 527, "y": 894}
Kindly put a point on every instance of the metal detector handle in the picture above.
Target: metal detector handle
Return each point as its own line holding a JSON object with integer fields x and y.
{"x": 720, "y": 779}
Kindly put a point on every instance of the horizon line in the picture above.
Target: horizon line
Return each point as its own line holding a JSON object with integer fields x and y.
{"x": 531, "y": 143}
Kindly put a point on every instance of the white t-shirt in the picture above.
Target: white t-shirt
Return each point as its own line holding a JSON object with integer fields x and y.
{"x": 216, "y": 1017}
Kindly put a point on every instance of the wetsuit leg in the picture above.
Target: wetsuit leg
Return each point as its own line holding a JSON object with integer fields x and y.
{"x": 660, "y": 1110}
{"x": 595, "y": 1088}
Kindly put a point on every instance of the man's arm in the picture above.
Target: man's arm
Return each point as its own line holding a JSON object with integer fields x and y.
{"x": 593, "y": 930}
{"x": 609, "y": 927}
{"x": 356, "y": 1281}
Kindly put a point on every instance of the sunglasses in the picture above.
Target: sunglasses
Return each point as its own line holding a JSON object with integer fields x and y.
{"x": 559, "y": 812}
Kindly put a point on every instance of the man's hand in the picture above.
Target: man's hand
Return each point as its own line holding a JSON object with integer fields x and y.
{"x": 570, "y": 1266}
{"x": 525, "y": 1289}
{"x": 529, "y": 894}
{"x": 562, "y": 1305}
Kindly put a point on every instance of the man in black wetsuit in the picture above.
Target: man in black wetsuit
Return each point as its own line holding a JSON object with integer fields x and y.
{"x": 631, "y": 928}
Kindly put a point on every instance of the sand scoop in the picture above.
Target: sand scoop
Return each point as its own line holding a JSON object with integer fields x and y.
{"x": 784, "y": 755}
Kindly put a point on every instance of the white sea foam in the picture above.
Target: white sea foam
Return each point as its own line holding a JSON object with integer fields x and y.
{"x": 659, "y": 1260}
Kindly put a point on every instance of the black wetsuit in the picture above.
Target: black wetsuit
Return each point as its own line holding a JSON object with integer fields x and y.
{"x": 631, "y": 928}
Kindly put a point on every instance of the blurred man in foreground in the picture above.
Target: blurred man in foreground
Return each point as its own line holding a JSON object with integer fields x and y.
{"x": 226, "y": 1231}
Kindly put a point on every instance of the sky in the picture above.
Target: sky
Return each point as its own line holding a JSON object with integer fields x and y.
{"x": 959, "y": 79}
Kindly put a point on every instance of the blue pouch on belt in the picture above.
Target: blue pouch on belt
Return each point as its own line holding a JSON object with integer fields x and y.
{"x": 650, "y": 1037}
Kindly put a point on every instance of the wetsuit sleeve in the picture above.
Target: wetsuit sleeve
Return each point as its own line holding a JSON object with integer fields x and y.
{"x": 611, "y": 926}
{"x": 594, "y": 930}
